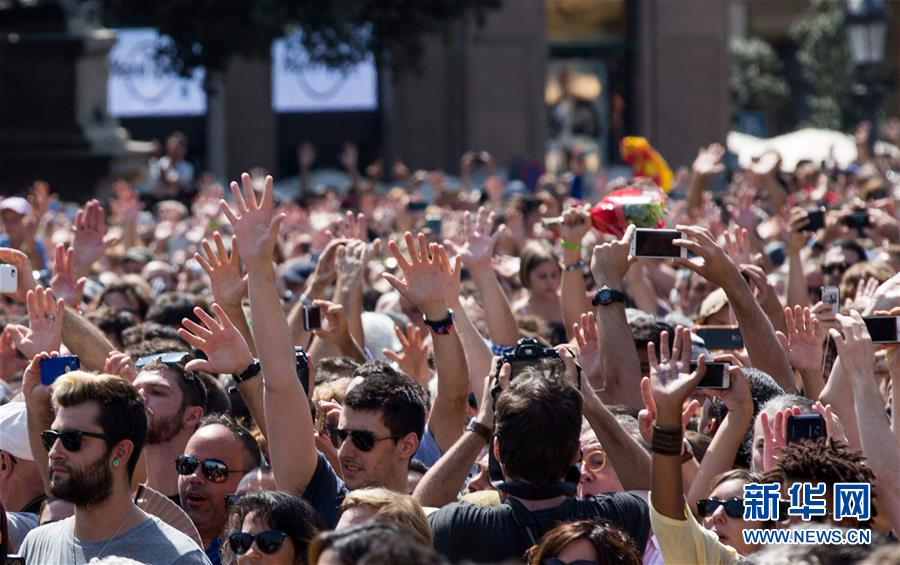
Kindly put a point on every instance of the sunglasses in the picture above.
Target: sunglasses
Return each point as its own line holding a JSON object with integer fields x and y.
{"x": 71, "y": 439}
{"x": 832, "y": 267}
{"x": 364, "y": 440}
{"x": 734, "y": 507}
{"x": 268, "y": 542}
{"x": 213, "y": 469}
{"x": 167, "y": 358}
{"x": 595, "y": 461}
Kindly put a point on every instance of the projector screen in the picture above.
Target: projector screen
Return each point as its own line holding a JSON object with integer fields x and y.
{"x": 298, "y": 86}
{"x": 137, "y": 87}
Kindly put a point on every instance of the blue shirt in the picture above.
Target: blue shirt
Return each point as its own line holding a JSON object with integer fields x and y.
{"x": 214, "y": 551}
{"x": 38, "y": 244}
{"x": 325, "y": 492}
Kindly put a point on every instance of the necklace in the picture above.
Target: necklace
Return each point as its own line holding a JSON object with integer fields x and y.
{"x": 109, "y": 541}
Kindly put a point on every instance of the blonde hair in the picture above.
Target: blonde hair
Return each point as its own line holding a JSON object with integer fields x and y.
{"x": 401, "y": 509}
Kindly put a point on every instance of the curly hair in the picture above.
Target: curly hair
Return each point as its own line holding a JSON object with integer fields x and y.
{"x": 612, "y": 544}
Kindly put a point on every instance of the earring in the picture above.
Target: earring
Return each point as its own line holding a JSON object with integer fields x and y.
{"x": 116, "y": 462}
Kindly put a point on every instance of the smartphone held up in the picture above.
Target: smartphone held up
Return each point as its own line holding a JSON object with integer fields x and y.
{"x": 657, "y": 244}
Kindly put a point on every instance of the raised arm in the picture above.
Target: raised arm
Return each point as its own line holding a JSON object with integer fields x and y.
{"x": 759, "y": 335}
{"x": 45, "y": 321}
{"x": 39, "y": 412}
{"x": 90, "y": 240}
{"x": 476, "y": 253}
{"x": 575, "y": 225}
{"x": 335, "y": 331}
{"x": 804, "y": 344}
{"x": 322, "y": 277}
{"x": 619, "y": 363}
{"x": 228, "y": 286}
{"x": 429, "y": 280}
{"x": 707, "y": 164}
{"x": 288, "y": 420}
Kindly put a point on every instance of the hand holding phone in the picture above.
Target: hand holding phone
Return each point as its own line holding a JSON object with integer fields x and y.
{"x": 9, "y": 278}
{"x": 54, "y": 367}
{"x": 805, "y": 426}
{"x": 312, "y": 318}
{"x": 883, "y": 329}
{"x": 657, "y": 244}
{"x": 816, "y": 220}
{"x": 717, "y": 376}
{"x": 831, "y": 295}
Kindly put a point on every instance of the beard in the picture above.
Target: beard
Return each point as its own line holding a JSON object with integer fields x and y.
{"x": 84, "y": 487}
{"x": 162, "y": 429}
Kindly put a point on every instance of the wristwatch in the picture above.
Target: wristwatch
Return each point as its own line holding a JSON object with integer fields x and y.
{"x": 251, "y": 371}
{"x": 480, "y": 429}
{"x": 576, "y": 266}
{"x": 440, "y": 327}
{"x": 607, "y": 295}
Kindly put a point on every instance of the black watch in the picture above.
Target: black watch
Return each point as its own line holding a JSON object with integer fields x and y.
{"x": 251, "y": 371}
{"x": 607, "y": 295}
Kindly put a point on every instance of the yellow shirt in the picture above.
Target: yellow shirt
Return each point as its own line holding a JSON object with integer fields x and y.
{"x": 685, "y": 542}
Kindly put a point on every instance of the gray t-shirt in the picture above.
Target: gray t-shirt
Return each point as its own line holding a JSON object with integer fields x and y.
{"x": 20, "y": 523}
{"x": 151, "y": 541}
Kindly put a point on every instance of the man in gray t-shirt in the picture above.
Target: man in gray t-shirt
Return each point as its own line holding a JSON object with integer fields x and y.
{"x": 151, "y": 541}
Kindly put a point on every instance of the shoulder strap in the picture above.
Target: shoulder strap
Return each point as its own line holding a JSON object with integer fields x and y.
{"x": 524, "y": 521}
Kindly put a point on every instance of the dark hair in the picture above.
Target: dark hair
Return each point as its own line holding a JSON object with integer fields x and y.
{"x": 330, "y": 368}
{"x": 823, "y": 460}
{"x": 170, "y": 308}
{"x": 279, "y": 511}
{"x": 373, "y": 541}
{"x": 762, "y": 388}
{"x": 417, "y": 466}
{"x": 130, "y": 290}
{"x": 242, "y": 434}
{"x": 150, "y": 331}
{"x": 386, "y": 390}
{"x": 613, "y": 545}
{"x": 846, "y": 244}
{"x": 538, "y": 426}
{"x": 193, "y": 391}
{"x": 218, "y": 401}
{"x": 112, "y": 321}
{"x": 121, "y": 413}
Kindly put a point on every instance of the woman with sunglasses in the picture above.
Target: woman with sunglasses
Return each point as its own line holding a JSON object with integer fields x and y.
{"x": 269, "y": 527}
{"x": 722, "y": 511}
{"x": 586, "y": 542}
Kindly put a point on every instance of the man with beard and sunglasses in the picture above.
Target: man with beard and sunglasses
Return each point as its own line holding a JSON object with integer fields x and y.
{"x": 176, "y": 400}
{"x": 91, "y": 447}
{"x": 215, "y": 459}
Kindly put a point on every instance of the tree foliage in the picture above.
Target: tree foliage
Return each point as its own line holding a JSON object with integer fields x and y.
{"x": 823, "y": 55}
{"x": 756, "y": 75}
{"x": 336, "y": 33}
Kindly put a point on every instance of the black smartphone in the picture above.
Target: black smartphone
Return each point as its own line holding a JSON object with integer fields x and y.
{"x": 302, "y": 367}
{"x": 858, "y": 219}
{"x": 312, "y": 317}
{"x": 417, "y": 206}
{"x": 657, "y": 244}
{"x": 716, "y": 377}
{"x": 433, "y": 224}
{"x": 816, "y": 220}
{"x": 721, "y": 337}
{"x": 54, "y": 367}
{"x": 883, "y": 329}
{"x": 805, "y": 426}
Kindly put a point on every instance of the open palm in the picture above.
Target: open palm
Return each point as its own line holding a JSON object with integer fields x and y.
{"x": 255, "y": 228}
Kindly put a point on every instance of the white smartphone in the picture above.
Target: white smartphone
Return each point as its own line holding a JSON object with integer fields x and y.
{"x": 657, "y": 244}
{"x": 9, "y": 278}
{"x": 831, "y": 295}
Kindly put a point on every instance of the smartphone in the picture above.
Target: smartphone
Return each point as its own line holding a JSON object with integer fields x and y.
{"x": 433, "y": 223}
{"x": 858, "y": 219}
{"x": 717, "y": 376}
{"x": 9, "y": 278}
{"x": 883, "y": 329}
{"x": 302, "y": 367}
{"x": 417, "y": 206}
{"x": 816, "y": 220}
{"x": 721, "y": 337}
{"x": 312, "y": 317}
{"x": 831, "y": 295}
{"x": 657, "y": 244}
{"x": 805, "y": 426}
{"x": 54, "y": 367}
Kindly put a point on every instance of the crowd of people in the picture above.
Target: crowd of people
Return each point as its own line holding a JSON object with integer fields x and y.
{"x": 413, "y": 370}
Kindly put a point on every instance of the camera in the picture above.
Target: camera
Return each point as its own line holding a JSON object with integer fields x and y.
{"x": 527, "y": 351}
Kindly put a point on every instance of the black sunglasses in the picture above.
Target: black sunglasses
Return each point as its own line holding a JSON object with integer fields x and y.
{"x": 268, "y": 542}
{"x": 734, "y": 507}
{"x": 832, "y": 267}
{"x": 213, "y": 469}
{"x": 364, "y": 440}
{"x": 71, "y": 439}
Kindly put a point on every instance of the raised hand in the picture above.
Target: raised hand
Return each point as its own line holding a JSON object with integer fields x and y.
{"x": 611, "y": 261}
{"x": 36, "y": 393}
{"x": 833, "y": 426}
{"x": 45, "y": 320}
{"x": 715, "y": 264}
{"x": 478, "y": 249}
{"x": 709, "y": 160}
{"x": 226, "y": 350}
{"x": 854, "y": 346}
{"x": 576, "y": 222}
{"x": 865, "y": 295}
{"x": 351, "y": 227}
{"x": 647, "y": 415}
{"x": 90, "y": 240}
{"x": 351, "y": 261}
{"x": 763, "y": 290}
{"x": 326, "y": 271}
{"x": 334, "y": 323}
{"x": 737, "y": 245}
{"x": 120, "y": 364}
{"x": 775, "y": 434}
{"x": 588, "y": 345}
{"x": 64, "y": 283}
{"x": 254, "y": 226}
{"x": 224, "y": 270}
{"x": 425, "y": 274}
{"x": 25, "y": 279}
{"x": 805, "y": 341}
{"x": 670, "y": 377}
{"x": 413, "y": 360}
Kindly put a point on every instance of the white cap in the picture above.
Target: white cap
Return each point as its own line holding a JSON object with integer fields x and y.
{"x": 17, "y": 204}
{"x": 14, "y": 431}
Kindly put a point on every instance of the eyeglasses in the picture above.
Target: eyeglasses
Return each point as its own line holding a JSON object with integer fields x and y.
{"x": 71, "y": 439}
{"x": 595, "y": 461}
{"x": 213, "y": 469}
{"x": 167, "y": 358}
{"x": 734, "y": 507}
{"x": 364, "y": 440}
{"x": 268, "y": 542}
{"x": 832, "y": 267}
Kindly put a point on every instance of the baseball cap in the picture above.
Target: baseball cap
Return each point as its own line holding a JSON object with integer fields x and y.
{"x": 14, "y": 431}
{"x": 17, "y": 204}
